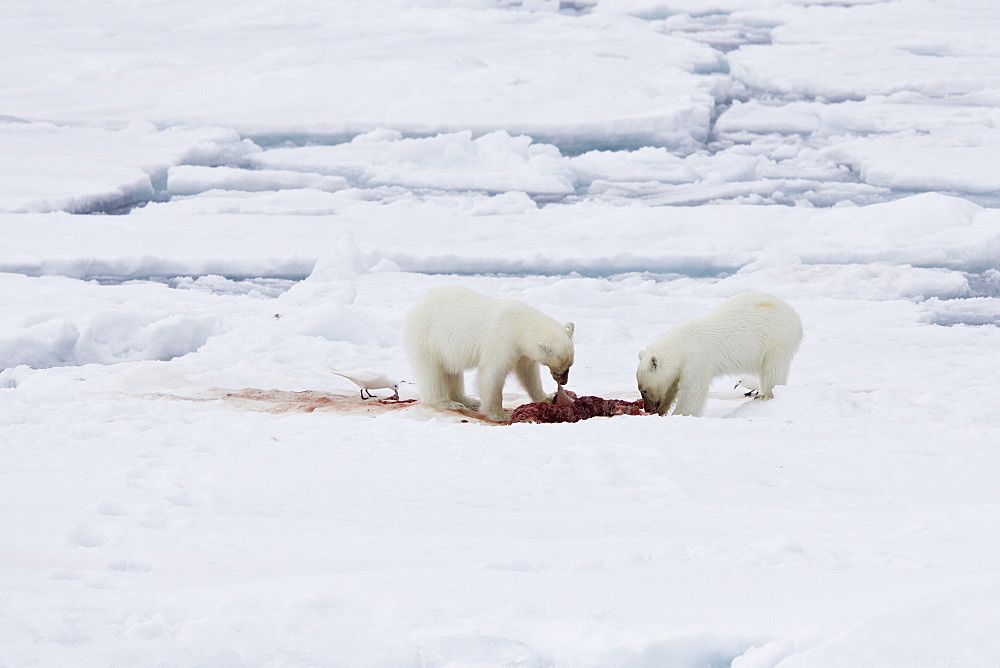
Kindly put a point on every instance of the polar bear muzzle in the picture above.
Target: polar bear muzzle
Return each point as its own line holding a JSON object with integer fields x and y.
{"x": 652, "y": 403}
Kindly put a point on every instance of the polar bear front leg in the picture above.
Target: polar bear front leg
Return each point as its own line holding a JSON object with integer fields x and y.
{"x": 491, "y": 382}
{"x": 528, "y": 373}
{"x": 691, "y": 398}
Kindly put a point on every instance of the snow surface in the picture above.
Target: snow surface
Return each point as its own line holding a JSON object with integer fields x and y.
{"x": 183, "y": 482}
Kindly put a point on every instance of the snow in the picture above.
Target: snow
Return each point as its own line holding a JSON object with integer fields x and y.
{"x": 204, "y": 207}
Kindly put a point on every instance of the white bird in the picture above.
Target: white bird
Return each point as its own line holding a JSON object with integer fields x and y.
{"x": 369, "y": 380}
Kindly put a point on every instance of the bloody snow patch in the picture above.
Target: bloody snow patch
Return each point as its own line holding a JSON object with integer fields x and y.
{"x": 474, "y": 416}
{"x": 569, "y": 409}
{"x": 576, "y": 409}
{"x": 282, "y": 401}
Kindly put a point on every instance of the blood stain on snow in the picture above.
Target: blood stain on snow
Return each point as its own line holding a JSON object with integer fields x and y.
{"x": 569, "y": 408}
{"x": 283, "y": 401}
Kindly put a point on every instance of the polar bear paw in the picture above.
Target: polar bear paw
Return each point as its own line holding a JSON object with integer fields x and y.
{"x": 450, "y": 405}
{"x": 465, "y": 403}
{"x": 498, "y": 416}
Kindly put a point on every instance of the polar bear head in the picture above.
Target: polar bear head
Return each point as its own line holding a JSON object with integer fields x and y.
{"x": 658, "y": 377}
{"x": 556, "y": 353}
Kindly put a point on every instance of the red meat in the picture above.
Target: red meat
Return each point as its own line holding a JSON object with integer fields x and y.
{"x": 573, "y": 409}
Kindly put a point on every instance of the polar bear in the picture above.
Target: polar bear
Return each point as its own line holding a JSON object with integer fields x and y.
{"x": 752, "y": 333}
{"x": 453, "y": 329}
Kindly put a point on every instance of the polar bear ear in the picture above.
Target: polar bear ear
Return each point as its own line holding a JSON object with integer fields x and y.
{"x": 569, "y": 329}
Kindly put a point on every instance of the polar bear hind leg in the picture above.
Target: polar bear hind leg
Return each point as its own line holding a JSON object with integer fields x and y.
{"x": 456, "y": 392}
{"x": 440, "y": 388}
{"x": 774, "y": 371}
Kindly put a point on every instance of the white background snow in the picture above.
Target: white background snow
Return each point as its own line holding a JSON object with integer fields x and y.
{"x": 212, "y": 197}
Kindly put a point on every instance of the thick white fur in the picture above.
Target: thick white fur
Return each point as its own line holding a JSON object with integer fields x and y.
{"x": 454, "y": 329}
{"x": 751, "y": 333}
